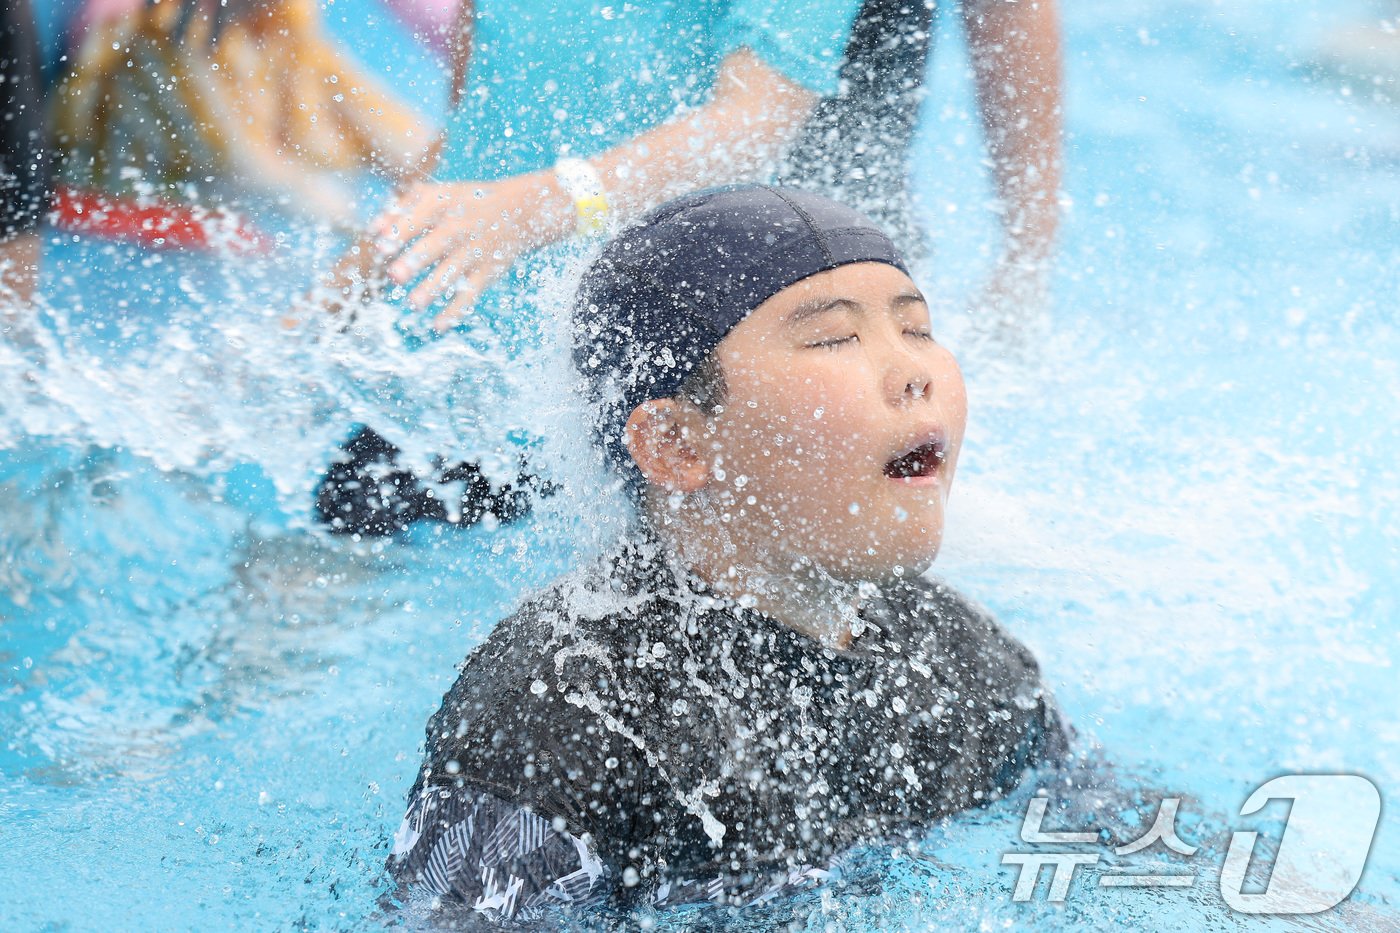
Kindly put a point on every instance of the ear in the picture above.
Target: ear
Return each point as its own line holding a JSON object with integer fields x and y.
{"x": 663, "y": 437}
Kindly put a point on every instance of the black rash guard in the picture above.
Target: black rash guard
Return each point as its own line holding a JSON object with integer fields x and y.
{"x": 24, "y": 158}
{"x": 626, "y": 738}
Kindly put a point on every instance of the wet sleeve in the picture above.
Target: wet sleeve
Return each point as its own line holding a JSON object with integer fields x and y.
{"x": 24, "y": 159}
{"x": 493, "y": 861}
{"x": 804, "y": 40}
{"x": 1001, "y": 673}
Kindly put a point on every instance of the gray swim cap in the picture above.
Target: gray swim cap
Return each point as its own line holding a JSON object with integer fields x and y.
{"x": 665, "y": 292}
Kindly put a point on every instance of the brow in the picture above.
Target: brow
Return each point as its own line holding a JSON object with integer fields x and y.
{"x": 815, "y": 307}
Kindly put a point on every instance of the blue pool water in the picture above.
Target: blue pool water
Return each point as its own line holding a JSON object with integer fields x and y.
{"x": 1182, "y": 494}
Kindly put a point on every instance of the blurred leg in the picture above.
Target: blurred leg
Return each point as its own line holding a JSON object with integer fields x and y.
{"x": 19, "y": 268}
{"x": 24, "y": 155}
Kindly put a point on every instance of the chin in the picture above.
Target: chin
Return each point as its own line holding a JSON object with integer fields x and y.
{"x": 877, "y": 548}
{"x": 914, "y": 543}
{"x": 893, "y": 559}
{"x": 911, "y": 564}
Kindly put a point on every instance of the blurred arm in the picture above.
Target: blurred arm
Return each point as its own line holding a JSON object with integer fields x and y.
{"x": 754, "y": 114}
{"x": 1017, "y": 65}
{"x": 468, "y": 240}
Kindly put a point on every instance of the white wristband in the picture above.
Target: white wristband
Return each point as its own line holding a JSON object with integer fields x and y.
{"x": 581, "y": 182}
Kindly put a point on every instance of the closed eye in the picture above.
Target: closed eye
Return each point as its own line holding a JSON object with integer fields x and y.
{"x": 831, "y": 343}
{"x": 919, "y": 334}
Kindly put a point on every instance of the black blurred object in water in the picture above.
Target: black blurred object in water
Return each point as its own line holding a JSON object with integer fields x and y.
{"x": 367, "y": 493}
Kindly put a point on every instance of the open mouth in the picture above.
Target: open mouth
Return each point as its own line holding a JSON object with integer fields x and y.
{"x": 922, "y": 461}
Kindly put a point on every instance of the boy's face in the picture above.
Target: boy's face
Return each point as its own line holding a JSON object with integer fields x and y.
{"x": 841, "y": 430}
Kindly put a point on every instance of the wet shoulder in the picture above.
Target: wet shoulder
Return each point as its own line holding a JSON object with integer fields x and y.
{"x": 539, "y": 710}
{"x": 574, "y": 644}
{"x": 568, "y": 636}
{"x": 990, "y": 684}
{"x": 954, "y": 631}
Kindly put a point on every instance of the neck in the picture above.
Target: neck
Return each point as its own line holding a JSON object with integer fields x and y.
{"x": 791, "y": 590}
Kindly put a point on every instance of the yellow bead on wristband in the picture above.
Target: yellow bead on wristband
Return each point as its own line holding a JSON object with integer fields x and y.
{"x": 592, "y": 214}
{"x": 583, "y": 185}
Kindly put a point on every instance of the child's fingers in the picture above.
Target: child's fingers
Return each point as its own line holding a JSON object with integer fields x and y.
{"x": 446, "y": 272}
{"x": 431, "y": 249}
{"x": 465, "y": 296}
{"x": 411, "y": 212}
{"x": 387, "y": 220}
{"x": 398, "y": 229}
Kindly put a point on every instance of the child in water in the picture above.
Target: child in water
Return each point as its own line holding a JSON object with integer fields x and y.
{"x": 759, "y": 677}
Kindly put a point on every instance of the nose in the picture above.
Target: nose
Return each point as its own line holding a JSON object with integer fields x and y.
{"x": 907, "y": 378}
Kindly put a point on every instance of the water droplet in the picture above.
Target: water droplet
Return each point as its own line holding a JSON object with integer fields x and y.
{"x": 854, "y": 508}
{"x": 538, "y": 686}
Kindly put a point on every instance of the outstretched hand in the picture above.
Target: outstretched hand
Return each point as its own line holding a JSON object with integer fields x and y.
{"x": 451, "y": 240}
{"x": 456, "y": 238}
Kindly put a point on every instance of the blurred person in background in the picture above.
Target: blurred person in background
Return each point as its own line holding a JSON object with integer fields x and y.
{"x": 182, "y": 110}
{"x": 24, "y": 157}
